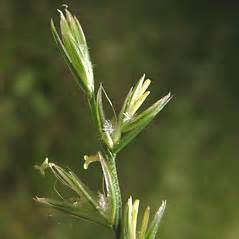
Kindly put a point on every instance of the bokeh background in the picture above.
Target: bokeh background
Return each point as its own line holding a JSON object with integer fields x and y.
{"x": 188, "y": 155}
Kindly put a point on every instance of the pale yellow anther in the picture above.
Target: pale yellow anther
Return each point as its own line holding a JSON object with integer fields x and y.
{"x": 43, "y": 167}
{"x": 90, "y": 159}
{"x": 144, "y": 87}
{"x": 138, "y": 103}
{"x": 137, "y": 90}
{"x": 139, "y": 96}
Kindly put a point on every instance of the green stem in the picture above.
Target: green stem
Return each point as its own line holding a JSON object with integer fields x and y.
{"x": 94, "y": 112}
{"x": 116, "y": 200}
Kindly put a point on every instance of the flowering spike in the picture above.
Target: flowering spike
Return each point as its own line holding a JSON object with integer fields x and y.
{"x": 73, "y": 47}
{"x": 129, "y": 226}
{"x": 133, "y": 127}
{"x": 146, "y": 116}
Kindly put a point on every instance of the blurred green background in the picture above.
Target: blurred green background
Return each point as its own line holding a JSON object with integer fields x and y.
{"x": 188, "y": 155}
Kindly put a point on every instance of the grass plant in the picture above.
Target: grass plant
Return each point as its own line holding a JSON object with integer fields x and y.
{"x": 105, "y": 207}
